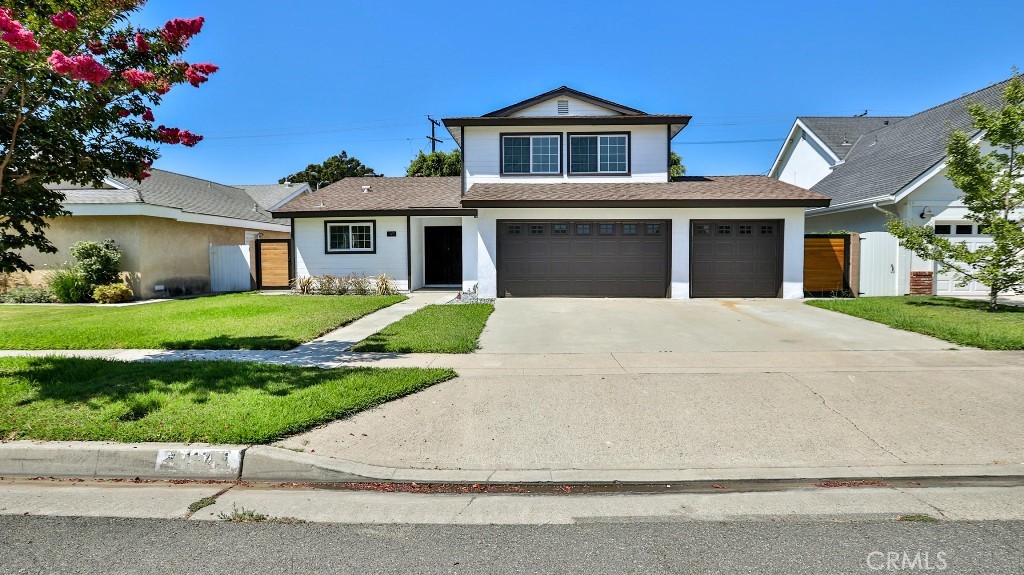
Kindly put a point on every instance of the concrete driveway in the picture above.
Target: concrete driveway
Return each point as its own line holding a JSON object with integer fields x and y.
{"x": 571, "y": 325}
{"x": 563, "y": 384}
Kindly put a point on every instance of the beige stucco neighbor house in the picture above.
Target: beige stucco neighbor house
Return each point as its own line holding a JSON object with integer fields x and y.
{"x": 165, "y": 227}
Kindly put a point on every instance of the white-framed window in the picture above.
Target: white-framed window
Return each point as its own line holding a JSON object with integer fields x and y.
{"x": 350, "y": 237}
{"x": 599, "y": 153}
{"x": 531, "y": 154}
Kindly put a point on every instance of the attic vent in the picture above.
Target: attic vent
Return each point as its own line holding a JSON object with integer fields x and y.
{"x": 366, "y": 189}
{"x": 563, "y": 107}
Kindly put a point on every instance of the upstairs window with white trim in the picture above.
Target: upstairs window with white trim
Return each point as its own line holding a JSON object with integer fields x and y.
{"x": 349, "y": 237}
{"x": 599, "y": 154}
{"x": 531, "y": 154}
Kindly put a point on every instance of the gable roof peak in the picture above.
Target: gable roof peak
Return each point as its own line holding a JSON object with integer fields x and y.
{"x": 564, "y": 91}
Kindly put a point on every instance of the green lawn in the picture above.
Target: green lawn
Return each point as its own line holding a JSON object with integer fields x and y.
{"x": 961, "y": 321}
{"x": 234, "y": 321}
{"x": 54, "y": 398}
{"x": 433, "y": 329}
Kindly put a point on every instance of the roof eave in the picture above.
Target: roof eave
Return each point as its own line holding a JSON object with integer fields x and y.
{"x": 680, "y": 120}
{"x": 365, "y": 213}
{"x": 663, "y": 203}
{"x": 564, "y": 91}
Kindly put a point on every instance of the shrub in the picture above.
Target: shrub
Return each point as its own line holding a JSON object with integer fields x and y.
{"x": 358, "y": 284}
{"x": 303, "y": 285}
{"x": 29, "y": 294}
{"x": 112, "y": 293}
{"x": 99, "y": 262}
{"x": 328, "y": 285}
{"x": 385, "y": 285}
{"x": 69, "y": 284}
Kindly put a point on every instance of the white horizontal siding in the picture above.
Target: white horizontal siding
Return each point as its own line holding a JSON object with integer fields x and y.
{"x": 576, "y": 108}
{"x": 804, "y": 164}
{"x": 390, "y": 257}
{"x": 648, "y": 154}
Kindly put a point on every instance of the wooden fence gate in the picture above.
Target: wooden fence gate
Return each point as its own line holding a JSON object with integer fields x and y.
{"x": 830, "y": 261}
{"x": 273, "y": 264}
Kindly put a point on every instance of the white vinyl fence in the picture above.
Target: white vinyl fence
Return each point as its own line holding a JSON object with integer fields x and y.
{"x": 229, "y": 268}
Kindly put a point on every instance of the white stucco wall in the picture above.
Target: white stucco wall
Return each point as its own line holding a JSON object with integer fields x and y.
{"x": 648, "y": 157}
{"x": 793, "y": 252}
{"x": 311, "y": 258}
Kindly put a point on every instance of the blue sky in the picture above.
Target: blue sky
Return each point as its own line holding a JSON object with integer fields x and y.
{"x": 303, "y": 80}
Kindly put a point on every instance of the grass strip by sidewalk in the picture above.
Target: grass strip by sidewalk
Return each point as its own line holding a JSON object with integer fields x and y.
{"x": 961, "y": 321}
{"x": 233, "y": 321}
{"x": 60, "y": 398}
{"x": 432, "y": 329}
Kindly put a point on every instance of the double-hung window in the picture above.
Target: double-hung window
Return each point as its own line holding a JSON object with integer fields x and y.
{"x": 528, "y": 154}
{"x": 349, "y": 237}
{"x": 599, "y": 154}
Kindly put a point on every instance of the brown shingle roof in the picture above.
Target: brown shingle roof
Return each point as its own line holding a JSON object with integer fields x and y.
{"x": 694, "y": 191}
{"x": 400, "y": 195}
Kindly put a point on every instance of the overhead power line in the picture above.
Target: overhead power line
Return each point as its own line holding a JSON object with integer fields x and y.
{"x": 712, "y": 142}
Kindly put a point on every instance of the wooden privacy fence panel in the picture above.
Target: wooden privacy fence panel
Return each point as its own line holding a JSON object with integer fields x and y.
{"x": 229, "y": 268}
{"x": 826, "y": 264}
{"x": 273, "y": 264}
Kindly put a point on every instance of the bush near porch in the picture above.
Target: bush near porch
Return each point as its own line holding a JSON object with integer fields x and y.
{"x": 433, "y": 329}
{"x": 62, "y": 398}
{"x": 233, "y": 321}
{"x": 960, "y": 321}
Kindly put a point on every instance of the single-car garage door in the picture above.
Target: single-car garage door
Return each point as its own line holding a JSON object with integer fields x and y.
{"x": 736, "y": 258}
{"x": 583, "y": 258}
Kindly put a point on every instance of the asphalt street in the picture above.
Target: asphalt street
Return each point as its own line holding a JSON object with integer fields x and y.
{"x": 108, "y": 546}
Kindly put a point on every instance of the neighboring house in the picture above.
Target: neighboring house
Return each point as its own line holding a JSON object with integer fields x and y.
{"x": 873, "y": 168}
{"x": 563, "y": 194}
{"x": 164, "y": 226}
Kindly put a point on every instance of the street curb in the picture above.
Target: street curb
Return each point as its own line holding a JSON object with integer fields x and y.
{"x": 264, "y": 463}
{"x": 97, "y": 460}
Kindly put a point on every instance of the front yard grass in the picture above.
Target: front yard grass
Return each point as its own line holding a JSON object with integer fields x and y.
{"x": 59, "y": 398}
{"x": 961, "y": 321}
{"x": 433, "y": 329}
{"x": 233, "y": 321}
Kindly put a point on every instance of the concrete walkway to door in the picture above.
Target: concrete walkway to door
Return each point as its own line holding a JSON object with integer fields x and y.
{"x": 569, "y": 325}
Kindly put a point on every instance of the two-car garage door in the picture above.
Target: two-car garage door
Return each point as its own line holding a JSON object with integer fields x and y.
{"x": 604, "y": 258}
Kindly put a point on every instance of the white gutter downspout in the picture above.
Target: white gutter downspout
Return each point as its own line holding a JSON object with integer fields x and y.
{"x": 884, "y": 211}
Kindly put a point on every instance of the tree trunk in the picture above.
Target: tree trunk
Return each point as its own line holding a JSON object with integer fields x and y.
{"x": 993, "y": 299}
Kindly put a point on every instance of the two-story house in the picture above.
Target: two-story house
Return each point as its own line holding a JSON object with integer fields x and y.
{"x": 563, "y": 194}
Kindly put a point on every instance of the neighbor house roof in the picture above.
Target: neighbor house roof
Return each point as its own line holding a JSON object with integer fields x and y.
{"x": 170, "y": 190}
{"x": 885, "y": 161}
{"x": 691, "y": 191}
{"x": 376, "y": 195}
{"x": 269, "y": 195}
{"x": 841, "y": 133}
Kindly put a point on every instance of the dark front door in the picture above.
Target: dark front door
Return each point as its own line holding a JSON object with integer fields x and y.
{"x": 442, "y": 258}
{"x": 583, "y": 258}
{"x": 736, "y": 258}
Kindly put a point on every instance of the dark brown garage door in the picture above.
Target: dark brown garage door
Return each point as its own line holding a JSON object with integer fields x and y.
{"x": 736, "y": 258}
{"x": 583, "y": 258}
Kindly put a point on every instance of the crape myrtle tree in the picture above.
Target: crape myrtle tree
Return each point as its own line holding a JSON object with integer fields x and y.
{"x": 78, "y": 86}
{"x": 993, "y": 185}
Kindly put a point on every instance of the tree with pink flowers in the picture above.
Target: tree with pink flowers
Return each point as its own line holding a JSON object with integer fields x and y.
{"x": 78, "y": 89}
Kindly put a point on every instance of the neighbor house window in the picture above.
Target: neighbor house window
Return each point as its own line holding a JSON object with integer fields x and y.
{"x": 964, "y": 229}
{"x": 531, "y": 154}
{"x": 599, "y": 154}
{"x": 943, "y": 229}
{"x": 350, "y": 237}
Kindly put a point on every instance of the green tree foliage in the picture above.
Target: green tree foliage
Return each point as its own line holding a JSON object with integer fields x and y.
{"x": 436, "y": 164}
{"x": 993, "y": 194}
{"x": 331, "y": 170}
{"x": 675, "y": 165}
{"x": 78, "y": 84}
